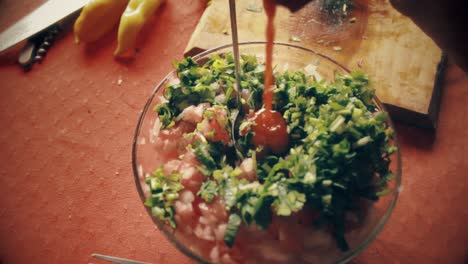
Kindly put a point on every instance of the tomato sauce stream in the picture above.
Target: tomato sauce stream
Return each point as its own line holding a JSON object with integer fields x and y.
{"x": 270, "y": 130}
{"x": 270, "y": 9}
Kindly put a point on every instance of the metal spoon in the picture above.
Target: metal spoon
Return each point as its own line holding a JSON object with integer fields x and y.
{"x": 235, "y": 41}
{"x": 235, "y": 46}
{"x": 116, "y": 259}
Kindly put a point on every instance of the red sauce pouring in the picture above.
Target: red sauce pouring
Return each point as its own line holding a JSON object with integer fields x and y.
{"x": 270, "y": 129}
{"x": 270, "y": 9}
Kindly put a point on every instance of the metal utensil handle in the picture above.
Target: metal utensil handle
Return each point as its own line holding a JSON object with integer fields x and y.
{"x": 117, "y": 260}
{"x": 235, "y": 45}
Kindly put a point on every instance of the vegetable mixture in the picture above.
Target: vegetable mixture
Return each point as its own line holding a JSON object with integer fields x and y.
{"x": 336, "y": 154}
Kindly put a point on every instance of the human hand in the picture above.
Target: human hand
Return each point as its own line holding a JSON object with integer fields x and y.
{"x": 444, "y": 21}
{"x": 293, "y": 5}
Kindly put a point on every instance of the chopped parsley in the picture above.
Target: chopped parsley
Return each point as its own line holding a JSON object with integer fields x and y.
{"x": 208, "y": 191}
{"x": 164, "y": 192}
{"x": 339, "y": 152}
{"x": 232, "y": 229}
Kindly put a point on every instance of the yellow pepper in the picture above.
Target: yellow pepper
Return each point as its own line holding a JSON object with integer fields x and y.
{"x": 132, "y": 21}
{"x": 97, "y": 18}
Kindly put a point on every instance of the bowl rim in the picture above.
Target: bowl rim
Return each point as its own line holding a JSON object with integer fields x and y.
{"x": 170, "y": 236}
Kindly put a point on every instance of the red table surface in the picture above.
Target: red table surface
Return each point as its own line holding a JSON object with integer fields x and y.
{"x": 66, "y": 183}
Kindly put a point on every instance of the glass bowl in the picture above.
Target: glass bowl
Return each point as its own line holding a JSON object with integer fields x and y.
{"x": 147, "y": 156}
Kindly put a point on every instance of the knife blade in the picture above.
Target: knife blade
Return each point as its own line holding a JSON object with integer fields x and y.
{"x": 41, "y": 18}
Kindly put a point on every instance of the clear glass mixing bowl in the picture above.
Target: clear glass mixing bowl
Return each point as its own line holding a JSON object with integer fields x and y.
{"x": 286, "y": 56}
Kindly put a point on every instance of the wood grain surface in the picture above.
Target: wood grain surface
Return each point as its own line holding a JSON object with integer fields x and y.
{"x": 373, "y": 37}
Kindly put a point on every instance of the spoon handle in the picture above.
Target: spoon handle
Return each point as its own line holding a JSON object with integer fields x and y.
{"x": 117, "y": 260}
{"x": 235, "y": 44}
{"x": 235, "y": 47}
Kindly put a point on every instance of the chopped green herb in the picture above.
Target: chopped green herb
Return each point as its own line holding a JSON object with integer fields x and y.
{"x": 337, "y": 48}
{"x": 288, "y": 202}
{"x": 254, "y": 8}
{"x": 208, "y": 191}
{"x": 295, "y": 39}
{"x": 232, "y": 229}
{"x": 339, "y": 146}
{"x": 164, "y": 192}
{"x": 202, "y": 151}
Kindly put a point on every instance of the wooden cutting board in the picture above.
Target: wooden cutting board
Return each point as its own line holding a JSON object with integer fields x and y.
{"x": 403, "y": 62}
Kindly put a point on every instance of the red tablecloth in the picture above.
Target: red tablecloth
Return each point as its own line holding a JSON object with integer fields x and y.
{"x": 66, "y": 184}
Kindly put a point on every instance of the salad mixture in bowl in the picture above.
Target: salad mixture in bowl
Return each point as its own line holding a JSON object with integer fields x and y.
{"x": 231, "y": 178}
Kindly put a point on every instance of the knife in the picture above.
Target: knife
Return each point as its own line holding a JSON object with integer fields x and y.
{"x": 48, "y": 14}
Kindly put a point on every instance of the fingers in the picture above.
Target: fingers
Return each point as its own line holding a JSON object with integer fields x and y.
{"x": 406, "y": 7}
{"x": 443, "y": 20}
{"x": 293, "y": 5}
